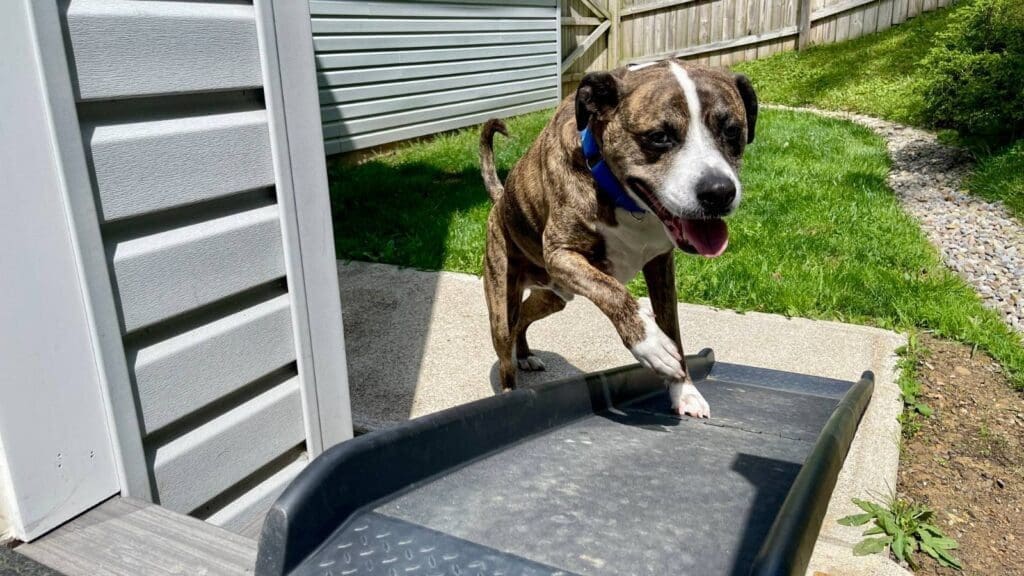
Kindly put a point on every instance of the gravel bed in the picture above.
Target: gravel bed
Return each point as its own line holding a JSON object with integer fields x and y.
{"x": 980, "y": 240}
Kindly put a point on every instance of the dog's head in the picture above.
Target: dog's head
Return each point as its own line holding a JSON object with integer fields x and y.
{"x": 674, "y": 135}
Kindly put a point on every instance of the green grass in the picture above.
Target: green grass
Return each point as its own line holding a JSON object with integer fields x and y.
{"x": 423, "y": 206}
{"x": 1000, "y": 176}
{"x": 878, "y": 74}
{"x": 818, "y": 235}
{"x": 881, "y": 75}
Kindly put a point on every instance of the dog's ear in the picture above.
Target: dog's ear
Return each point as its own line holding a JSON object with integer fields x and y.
{"x": 597, "y": 94}
{"x": 746, "y": 90}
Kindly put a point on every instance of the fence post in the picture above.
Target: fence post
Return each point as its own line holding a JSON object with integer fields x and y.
{"x": 613, "y": 33}
{"x": 803, "y": 23}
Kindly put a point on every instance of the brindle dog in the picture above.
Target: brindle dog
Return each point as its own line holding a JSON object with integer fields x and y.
{"x": 673, "y": 135}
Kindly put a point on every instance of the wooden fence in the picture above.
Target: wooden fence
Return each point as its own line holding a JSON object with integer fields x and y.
{"x": 603, "y": 34}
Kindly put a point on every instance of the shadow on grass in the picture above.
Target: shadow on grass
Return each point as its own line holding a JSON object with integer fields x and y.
{"x": 413, "y": 214}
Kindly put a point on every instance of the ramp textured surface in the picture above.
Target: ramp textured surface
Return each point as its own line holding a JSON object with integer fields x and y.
{"x": 626, "y": 491}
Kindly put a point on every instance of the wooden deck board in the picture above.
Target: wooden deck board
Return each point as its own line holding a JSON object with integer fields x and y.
{"x": 14, "y": 564}
{"x": 125, "y": 537}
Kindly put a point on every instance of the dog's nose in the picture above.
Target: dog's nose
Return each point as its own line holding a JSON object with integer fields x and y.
{"x": 715, "y": 192}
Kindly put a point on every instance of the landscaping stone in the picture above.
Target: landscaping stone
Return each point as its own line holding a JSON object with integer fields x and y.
{"x": 979, "y": 240}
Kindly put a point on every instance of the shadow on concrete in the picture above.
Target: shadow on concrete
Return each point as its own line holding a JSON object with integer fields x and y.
{"x": 396, "y": 214}
{"x": 556, "y": 367}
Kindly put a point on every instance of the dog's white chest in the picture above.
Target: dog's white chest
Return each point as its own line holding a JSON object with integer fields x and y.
{"x": 633, "y": 243}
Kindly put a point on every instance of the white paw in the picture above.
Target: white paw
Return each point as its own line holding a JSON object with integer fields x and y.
{"x": 531, "y": 363}
{"x": 657, "y": 351}
{"x": 687, "y": 401}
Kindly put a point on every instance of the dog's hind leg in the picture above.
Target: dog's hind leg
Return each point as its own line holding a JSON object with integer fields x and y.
{"x": 660, "y": 276}
{"x": 503, "y": 303}
{"x": 540, "y": 304}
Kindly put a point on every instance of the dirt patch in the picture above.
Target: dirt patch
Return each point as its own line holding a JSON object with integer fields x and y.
{"x": 967, "y": 461}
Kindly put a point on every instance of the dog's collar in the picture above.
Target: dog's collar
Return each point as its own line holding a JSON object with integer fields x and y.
{"x": 606, "y": 180}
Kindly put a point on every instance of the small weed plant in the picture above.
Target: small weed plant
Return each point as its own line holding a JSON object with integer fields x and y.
{"x": 906, "y": 527}
{"x": 911, "y": 356}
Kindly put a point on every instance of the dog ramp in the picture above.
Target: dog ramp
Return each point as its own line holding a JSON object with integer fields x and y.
{"x": 587, "y": 476}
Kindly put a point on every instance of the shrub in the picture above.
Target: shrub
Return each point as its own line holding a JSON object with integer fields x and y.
{"x": 976, "y": 78}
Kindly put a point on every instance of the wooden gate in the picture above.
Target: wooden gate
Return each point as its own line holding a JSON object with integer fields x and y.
{"x": 590, "y": 28}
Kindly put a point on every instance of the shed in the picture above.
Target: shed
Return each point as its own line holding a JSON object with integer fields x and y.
{"x": 170, "y": 325}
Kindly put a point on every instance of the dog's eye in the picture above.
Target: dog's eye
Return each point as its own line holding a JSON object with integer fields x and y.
{"x": 733, "y": 132}
{"x": 659, "y": 139}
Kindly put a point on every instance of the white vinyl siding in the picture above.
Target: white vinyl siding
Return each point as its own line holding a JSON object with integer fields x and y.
{"x": 398, "y": 69}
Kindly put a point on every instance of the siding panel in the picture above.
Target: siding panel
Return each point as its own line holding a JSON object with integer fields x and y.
{"x": 177, "y": 376}
{"x": 412, "y": 25}
{"x": 451, "y": 56}
{"x": 432, "y": 99}
{"x": 420, "y": 41}
{"x": 165, "y": 274}
{"x": 202, "y": 201}
{"x": 245, "y": 515}
{"x": 392, "y": 69}
{"x": 350, "y": 143}
{"x": 124, "y": 48}
{"x": 496, "y": 75}
{"x": 196, "y": 466}
{"x": 362, "y": 125}
{"x": 143, "y": 167}
{"x": 513, "y": 9}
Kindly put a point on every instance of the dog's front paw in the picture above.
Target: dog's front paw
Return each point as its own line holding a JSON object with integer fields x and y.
{"x": 657, "y": 351}
{"x": 687, "y": 400}
{"x": 530, "y": 363}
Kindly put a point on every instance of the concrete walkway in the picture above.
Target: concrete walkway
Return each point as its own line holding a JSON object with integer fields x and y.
{"x": 419, "y": 342}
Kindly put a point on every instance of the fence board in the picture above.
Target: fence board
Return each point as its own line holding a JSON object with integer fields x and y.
{"x": 856, "y": 23}
{"x": 723, "y": 32}
{"x": 885, "y": 12}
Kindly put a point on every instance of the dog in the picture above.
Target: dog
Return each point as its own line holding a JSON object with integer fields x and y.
{"x": 639, "y": 161}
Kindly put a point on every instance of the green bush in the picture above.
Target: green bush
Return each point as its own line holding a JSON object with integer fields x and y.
{"x": 976, "y": 78}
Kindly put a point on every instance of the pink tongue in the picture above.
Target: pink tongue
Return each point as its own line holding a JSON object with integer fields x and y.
{"x": 708, "y": 237}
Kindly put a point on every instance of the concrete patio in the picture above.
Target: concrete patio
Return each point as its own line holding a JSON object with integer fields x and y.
{"x": 419, "y": 342}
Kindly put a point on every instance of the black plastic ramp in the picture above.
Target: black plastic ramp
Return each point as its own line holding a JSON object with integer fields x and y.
{"x": 591, "y": 476}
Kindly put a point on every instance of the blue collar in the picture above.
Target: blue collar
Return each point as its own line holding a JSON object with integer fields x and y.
{"x": 606, "y": 180}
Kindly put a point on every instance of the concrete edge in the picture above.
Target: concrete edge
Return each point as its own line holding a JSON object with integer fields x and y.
{"x": 766, "y": 316}
{"x": 870, "y": 471}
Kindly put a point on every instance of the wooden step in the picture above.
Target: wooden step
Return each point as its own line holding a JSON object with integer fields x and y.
{"x": 127, "y": 537}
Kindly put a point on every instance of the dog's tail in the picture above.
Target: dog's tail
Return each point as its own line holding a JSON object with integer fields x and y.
{"x": 491, "y": 181}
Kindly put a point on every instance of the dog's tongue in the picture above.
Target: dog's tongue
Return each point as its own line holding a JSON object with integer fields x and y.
{"x": 708, "y": 238}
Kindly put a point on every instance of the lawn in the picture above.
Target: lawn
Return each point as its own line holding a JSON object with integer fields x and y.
{"x": 819, "y": 234}
{"x": 880, "y": 75}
